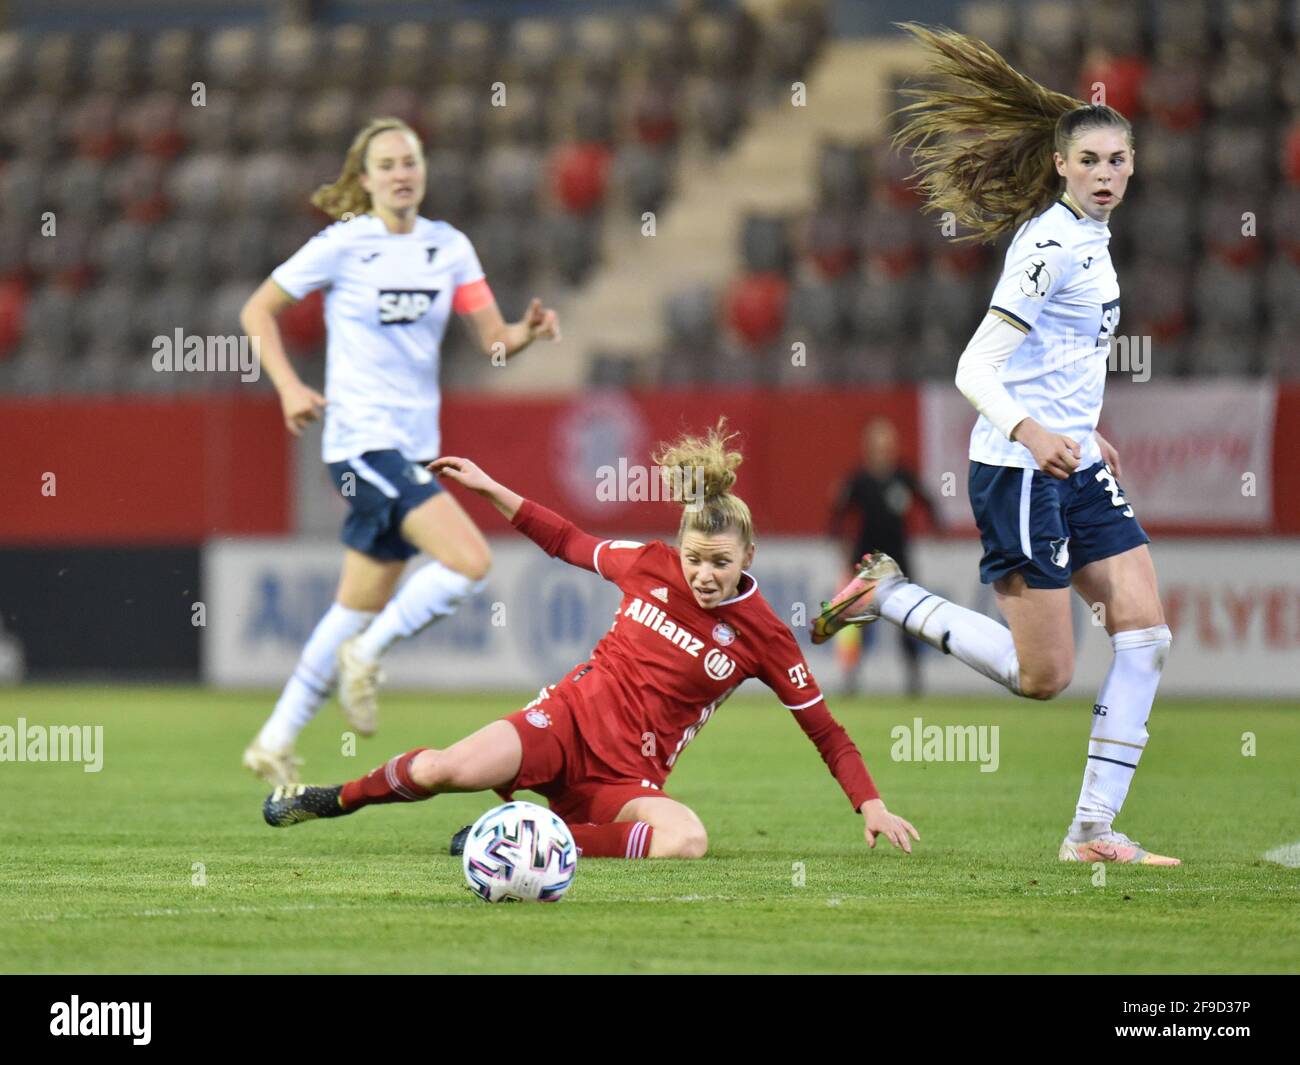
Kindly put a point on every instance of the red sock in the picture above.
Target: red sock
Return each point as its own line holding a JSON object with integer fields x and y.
{"x": 391, "y": 782}
{"x": 622, "y": 839}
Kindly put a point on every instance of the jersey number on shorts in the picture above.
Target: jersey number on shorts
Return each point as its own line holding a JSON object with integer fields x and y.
{"x": 1116, "y": 500}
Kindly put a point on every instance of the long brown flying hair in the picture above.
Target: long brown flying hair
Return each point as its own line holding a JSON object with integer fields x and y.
{"x": 983, "y": 142}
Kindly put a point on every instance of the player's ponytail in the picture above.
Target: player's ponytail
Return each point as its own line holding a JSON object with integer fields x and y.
{"x": 984, "y": 145}
{"x": 698, "y": 473}
{"x": 345, "y": 196}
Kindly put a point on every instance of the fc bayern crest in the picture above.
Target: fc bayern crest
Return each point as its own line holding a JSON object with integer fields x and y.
{"x": 538, "y": 718}
{"x": 723, "y": 634}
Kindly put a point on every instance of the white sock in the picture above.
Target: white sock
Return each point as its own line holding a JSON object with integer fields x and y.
{"x": 313, "y": 676}
{"x": 982, "y": 643}
{"x": 433, "y": 592}
{"x": 1119, "y": 727}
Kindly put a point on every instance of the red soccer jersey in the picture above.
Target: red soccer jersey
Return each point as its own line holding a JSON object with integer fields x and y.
{"x": 667, "y": 664}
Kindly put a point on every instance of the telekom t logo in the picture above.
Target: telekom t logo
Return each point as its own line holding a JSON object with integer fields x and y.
{"x": 798, "y": 675}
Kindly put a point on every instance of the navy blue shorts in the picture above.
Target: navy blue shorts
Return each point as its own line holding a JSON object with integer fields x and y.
{"x": 381, "y": 487}
{"x": 1049, "y": 528}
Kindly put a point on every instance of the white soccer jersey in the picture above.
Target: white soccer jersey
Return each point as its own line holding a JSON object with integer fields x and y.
{"x": 1059, "y": 288}
{"x": 388, "y": 297}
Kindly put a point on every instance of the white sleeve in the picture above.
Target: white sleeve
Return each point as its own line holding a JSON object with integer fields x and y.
{"x": 311, "y": 267}
{"x": 979, "y": 372}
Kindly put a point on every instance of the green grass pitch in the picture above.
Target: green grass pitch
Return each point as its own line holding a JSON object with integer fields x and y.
{"x": 161, "y": 862}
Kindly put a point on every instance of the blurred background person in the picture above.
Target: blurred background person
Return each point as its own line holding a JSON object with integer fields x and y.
{"x": 878, "y": 497}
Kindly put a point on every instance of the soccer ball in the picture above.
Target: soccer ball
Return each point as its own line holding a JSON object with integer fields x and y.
{"x": 520, "y": 852}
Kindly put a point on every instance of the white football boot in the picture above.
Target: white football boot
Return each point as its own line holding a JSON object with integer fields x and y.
{"x": 275, "y": 767}
{"x": 1111, "y": 846}
{"x": 359, "y": 680}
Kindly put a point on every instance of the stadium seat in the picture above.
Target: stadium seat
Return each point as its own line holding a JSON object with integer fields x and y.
{"x": 268, "y": 121}
{"x": 1241, "y": 86}
{"x": 56, "y": 65}
{"x": 642, "y": 176}
{"x": 756, "y": 308}
{"x": 580, "y": 176}
{"x": 198, "y": 185}
{"x": 152, "y": 124}
{"x": 1183, "y": 26}
{"x": 455, "y": 118}
{"x": 471, "y": 55}
{"x": 572, "y": 243}
{"x": 765, "y": 244}
{"x": 451, "y": 186}
{"x": 991, "y": 21}
{"x": 114, "y": 61}
{"x": 1219, "y": 351}
{"x": 13, "y": 314}
{"x": 179, "y": 250}
{"x": 349, "y": 51}
{"x": 1172, "y": 91}
{"x": 883, "y": 307}
{"x": 691, "y": 319}
{"x": 816, "y": 317}
{"x": 119, "y": 253}
{"x": 535, "y": 48}
{"x": 842, "y": 175}
{"x": 172, "y": 61}
{"x": 1226, "y": 297}
{"x": 16, "y": 48}
{"x": 25, "y": 189}
{"x": 294, "y": 56}
{"x": 600, "y": 44}
{"x": 830, "y": 243}
{"x": 233, "y": 59}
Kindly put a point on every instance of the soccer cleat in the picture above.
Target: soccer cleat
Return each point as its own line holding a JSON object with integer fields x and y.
{"x": 1112, "y": 847}
{"x": 359, "y": 680}
{"x": 457, "y": 847}
{"x": 292, "y": 803}
{"x": 857, "y": 603}
{"x": 275, "y": 767}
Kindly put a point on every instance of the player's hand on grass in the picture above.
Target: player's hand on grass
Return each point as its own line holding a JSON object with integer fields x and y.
{"x": 1054, "y": 453}
{"x": 300, "y": 405}
{"x": 895, "y": 829}
{"x": 542, "y": 322}
{"x": 1108, "y": 453}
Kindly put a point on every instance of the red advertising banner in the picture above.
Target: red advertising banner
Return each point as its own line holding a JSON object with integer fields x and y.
{"x": 151, "y": 471}
{"x": 142, "y": 470}
{"x": 573, "y": 453}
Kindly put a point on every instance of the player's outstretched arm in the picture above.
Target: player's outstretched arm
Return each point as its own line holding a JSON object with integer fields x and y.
{"x": 467, "y": 473}
{"x": 845, "y": 762}
{"x": 555, "y": 535}
{"x": 496, "y": 336}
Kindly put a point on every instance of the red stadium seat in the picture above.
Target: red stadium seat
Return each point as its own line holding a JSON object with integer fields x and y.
{"x": 581, "y": 176}
{"x": 13, "y": 308}
{"x": 755, "y": 308}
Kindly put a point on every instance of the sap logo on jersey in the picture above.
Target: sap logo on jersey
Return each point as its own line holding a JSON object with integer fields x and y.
{"x": 654, "y": 618}
{"x": 402, "y": 306}
{"x": 718, "y": 666}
